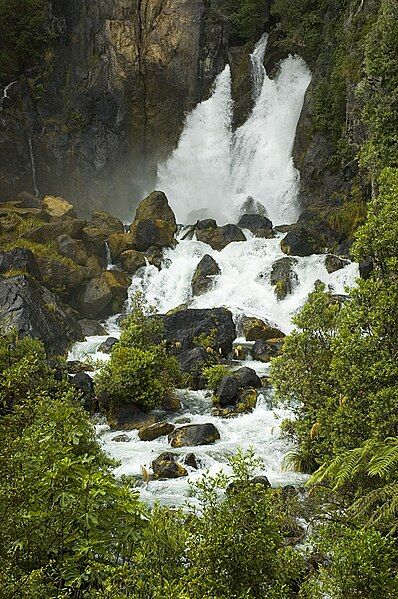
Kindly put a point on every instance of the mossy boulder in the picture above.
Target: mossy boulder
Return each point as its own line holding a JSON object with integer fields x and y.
{"x": 56, "y": 206}
{"x": 106, "y": 222}
{"x": 166, "y": 466}
{"x": 128, "y": 417}
{"x": 218, "y": 238}
{"x": 131, "y": 261}
{"x": 255, "y": 328}
{"x": 302, "y": 241}
{"x": 259, "y": 225}
{"x": 119, "y": 243}
{"x": 74, "y": 249}
{"x": 334, "y": 263}
{"x": 60, "y": 275}
{"x": 154, "y": 431}
{"x": 94, "y": 240}
{"x": 147, "y": 233}
{"x": 194, "y": 435}
{"x": 95, "y": 298}
{"x": 45, "y": 232}
{"x": 283, "y": 276}
{"x": 156, "y": 207}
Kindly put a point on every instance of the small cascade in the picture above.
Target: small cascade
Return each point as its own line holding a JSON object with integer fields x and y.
{"x": 5, "y": 95}
{"x": 108, "y": 257}
{"x": 214, "y": 169}
{"x": 33, "y": 166}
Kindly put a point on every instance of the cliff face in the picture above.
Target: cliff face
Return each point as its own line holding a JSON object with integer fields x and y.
{"x": 110, "y": 100}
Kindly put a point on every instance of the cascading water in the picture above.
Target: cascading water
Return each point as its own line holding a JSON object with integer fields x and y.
{"x": 216, "y": 169}
{"x": 212, "y": 172}
{"x": 33, "y": 167}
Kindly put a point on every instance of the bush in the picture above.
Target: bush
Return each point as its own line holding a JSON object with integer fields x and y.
{"x": 215, "y": 374}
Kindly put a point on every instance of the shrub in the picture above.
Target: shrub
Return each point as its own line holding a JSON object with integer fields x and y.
{"x": 215, "y": 374}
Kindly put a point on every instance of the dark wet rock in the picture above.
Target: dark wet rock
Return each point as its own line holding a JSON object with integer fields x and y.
{"x": 191, "y": 461}
{"x": 73, "y": 249}
{"x": 107, "y": 346}
{"x": 255, "y": 328}
{"x": 227, "y": 392}
{"x": 220, "y": 237}
{"x": 183, "y": 330}
{"x": 60, "y": 275}
{"x": 154, "y": 255}
{"x": 28, "y": 200}
{"x": 83, "y": 383}
{"x": 366, "y": 268}
{"x": 171, "y": 403}
{"x": 263, "y": 351}
{"x": 91, "y": 328}
{"x": 283, "y": 276}
{"x": 46, "y": 232}
{"x": 121, "y": 439}
{"x": 261, "y": 480}
{"x": 94, "y": 241}
{"x": 95, "y": 298}
{"x": 132, "y": 261}
{"x": 154, "y": 431}
{"x": 156, "y": 207}
{"x": 202, "y": 280}
{"x": 247, "y": 377}
{"x": 166, "y": 466}
{"x": 75, "y": 367}
{"x": 106, "y": 222}
{"x": 147, "y": 233}
{"x": 333, "y": 263}
{"x": 32, "y": 310}
{"x": 128, "y": 417}
{"x": 119, "y": 243}
{"x": 21, "y": 260}
{"x": 259, "y": 225}
{"x": 301, "y": 242}
{"x": 194, "y": 435}
{"x": 207, "y": 223}
{"x": 236, "y": 487}
{"x": 183, "y": 420}
{"x": 192, "y": 362}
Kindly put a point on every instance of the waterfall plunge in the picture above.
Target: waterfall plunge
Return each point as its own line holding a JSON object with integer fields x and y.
{"x": 214, "y": 169}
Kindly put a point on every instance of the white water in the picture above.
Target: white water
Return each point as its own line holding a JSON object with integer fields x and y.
{"x": 33, "y": 167}
{"x": 214, "y": 169}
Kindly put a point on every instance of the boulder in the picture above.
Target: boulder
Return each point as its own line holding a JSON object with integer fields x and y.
{"x": 60, "y": 275}
{"x": 283, "y": 277}
{"x": 301, "y": 241}
{"x": 154, "y": 255}
{"x": 119, "y": 243}
{"x": 106, "y": 222}
{"x": 21, "y": 260}
{"x": 194, "y": 435}
{"x": 118, "y": 282}
{"x": 193, "y": 360}
{"x": 207, "y": 223}
{"x": 73, "y": 249}
{"x": 263, "y": 351}
{"x": 185, "y": 329}
{"x": 75, "y": 366}
{"x": 247, "y": 377}
{"x": 333, "y": 263}
{"x": 154, "y": 431}
{"x": 154, "y": 223}
{"x": 147, "y": 233}
{"x": 203, "y": 276}
{"x": 107, "y": 345}
{"x": 166, "y": 466}
{"x": 128, "y": 417}
{"x": 93, "y": 267}
{"x": 228, "y": 391}
{"x": 171, "y": 403}
{"x": 366, "y": 268}
{"x": 28, "y": 200}
{"x": 32, "y": 310}
{"x": 131, "y": 261}
{"x": 191, "y": 461}
{"x": 56, "y": 206}
{"x": 45, "y": 232}
{"x": 259, "y": 225}
{"x": 218, "y": 238}
{"x": 95, "y": 298}
{"x": 83, "y": 383}
{"x": 255, "y": 328}
{"x": 91, "y": 328}
{"x": 120, "y": 439}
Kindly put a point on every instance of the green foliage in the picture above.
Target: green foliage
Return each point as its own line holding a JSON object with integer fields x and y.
{"x": 378, "y": 238}
{"x": 362, "y": 564}
{"x": 24, "y": 34}
{"x": 139, "y": 372}
{"x": 379, "y": 90}
{"x": 247, "y": 17}
{"x": 215, "y": 374}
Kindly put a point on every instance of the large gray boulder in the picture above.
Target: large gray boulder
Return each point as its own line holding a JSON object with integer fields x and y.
{"x": 32, "y": 310}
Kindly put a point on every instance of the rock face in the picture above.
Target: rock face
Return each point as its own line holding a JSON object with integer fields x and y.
{"x": 202, "y": 279}
{"x": 219, "y": 237}
{"x": 185, "y": 328}
{"x": 34, "y": 311}
{"x": 130, "y": 70}
{"x": 194, "y": 435}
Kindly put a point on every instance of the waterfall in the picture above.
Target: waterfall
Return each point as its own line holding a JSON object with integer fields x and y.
{"x": 214, "y": 169}
{"x": 33, "y": 166}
